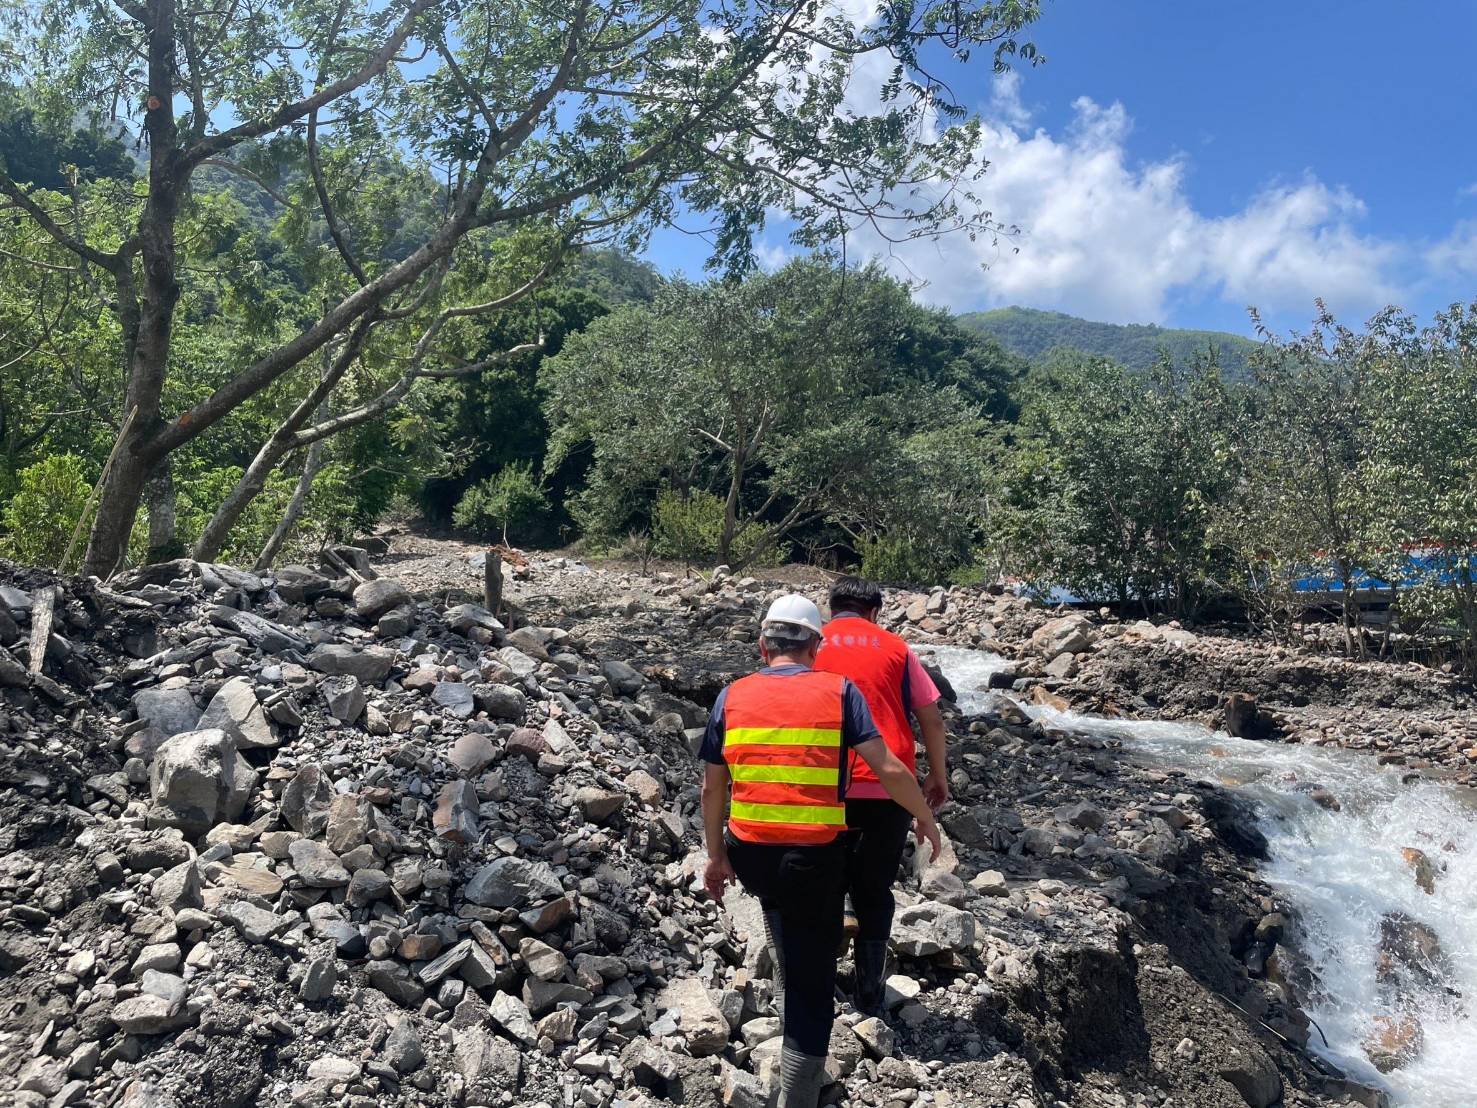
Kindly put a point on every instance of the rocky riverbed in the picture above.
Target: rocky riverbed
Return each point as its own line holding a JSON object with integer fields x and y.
{"x": 342, "y": 836}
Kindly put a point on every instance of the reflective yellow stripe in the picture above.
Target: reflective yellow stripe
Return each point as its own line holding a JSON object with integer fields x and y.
{"x": 827, "y": 815}
{"x": 788, "y": 775}
{"x": 783, "y": 736}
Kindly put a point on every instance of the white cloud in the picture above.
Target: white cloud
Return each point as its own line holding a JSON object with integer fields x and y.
{"x": 1105, "y": 236}
{"x": 1456, "y": 255}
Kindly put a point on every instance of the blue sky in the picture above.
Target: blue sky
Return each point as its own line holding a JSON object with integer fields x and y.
{"x": 1175, "y": 162}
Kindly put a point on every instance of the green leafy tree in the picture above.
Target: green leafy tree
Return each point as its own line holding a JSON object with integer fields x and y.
{"x": 1297, "y": 505}
{"x": 593, "y": 119}
{"x": 1122, "y": 468}
{"x": 781, "y": 395}
{"x": 1421, "y": 465}
{"x": 43, "y": 514}
{"x": 511, "y": 497}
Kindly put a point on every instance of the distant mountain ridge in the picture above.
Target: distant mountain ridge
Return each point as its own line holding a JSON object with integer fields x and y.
{"x": 1032, "y": 333}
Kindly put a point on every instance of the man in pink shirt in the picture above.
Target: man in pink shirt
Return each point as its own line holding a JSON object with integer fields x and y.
{"x": 896, "y": 687}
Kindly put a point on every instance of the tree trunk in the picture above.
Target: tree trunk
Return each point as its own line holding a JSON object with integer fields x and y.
{"x": 731, "y": 508}
{"x": 213, "y": 538}
{"x": 117, "y": 507}
{"x": 149, "y": 321}
{"x": 312, "y": 463}
{"x": 164, "y": 542}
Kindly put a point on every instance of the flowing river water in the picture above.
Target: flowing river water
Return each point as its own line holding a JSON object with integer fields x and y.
{"x": 1347, "y": 873}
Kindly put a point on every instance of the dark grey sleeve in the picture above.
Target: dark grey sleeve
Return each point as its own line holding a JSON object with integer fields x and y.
{"x": 857, "y": 724}
{"x": 712, "y": 748}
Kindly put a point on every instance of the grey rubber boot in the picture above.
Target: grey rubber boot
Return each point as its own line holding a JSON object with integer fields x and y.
{"x": 802, "y": 1077}
{"x": 870, "y": 957}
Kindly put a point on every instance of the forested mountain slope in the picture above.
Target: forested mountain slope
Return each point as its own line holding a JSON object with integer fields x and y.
{"x": 1031, "y": 333}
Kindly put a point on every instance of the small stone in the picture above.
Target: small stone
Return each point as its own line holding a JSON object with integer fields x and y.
{"x": 472, "y": 753}
{"x": 876, "y": 1036}
{"x": 316, "y": 865}
{"x": 319, "y": 978}
{"x": 403, "y": 1048}
{"x": 455, "y": 818}
{"x": 542, "y": 960}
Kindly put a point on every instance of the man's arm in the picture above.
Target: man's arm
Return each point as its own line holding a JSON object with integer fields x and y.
{"x": 935, "y": 746}
{"x": 902, "y": 786}
{"x": 719, "y": 872}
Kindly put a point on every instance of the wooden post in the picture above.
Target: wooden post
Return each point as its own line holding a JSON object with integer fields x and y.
{"x": 43, "y": 605}
{"x": 492, "y": 582}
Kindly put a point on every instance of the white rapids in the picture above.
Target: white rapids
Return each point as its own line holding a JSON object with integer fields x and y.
{"x": 1342, "y": 871}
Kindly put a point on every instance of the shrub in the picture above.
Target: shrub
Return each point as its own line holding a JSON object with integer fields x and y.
{"x": 897, "y": 557}
{"x": 689, "y": 527}
{"x": 41, "y": 516}
{"x": 511, "y": 497}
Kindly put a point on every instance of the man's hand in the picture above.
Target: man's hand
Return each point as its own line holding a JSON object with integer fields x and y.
{"x": 928, "y": 829}
{"x": 936, "y": 790}
{"x": 719, "y": 875}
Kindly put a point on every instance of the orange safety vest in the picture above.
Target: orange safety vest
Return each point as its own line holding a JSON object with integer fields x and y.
{"x": 875, "y": 661}
{"x": 782, "y": 743}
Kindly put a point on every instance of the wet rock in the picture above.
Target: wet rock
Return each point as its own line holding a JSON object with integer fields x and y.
{"x": 1244, "y": 718}
{"x": 1394, "y": 1041}
{"x": 1420, "y": 864}
{"x": 198, "y": 780}
{"x": 1071, "y": 634}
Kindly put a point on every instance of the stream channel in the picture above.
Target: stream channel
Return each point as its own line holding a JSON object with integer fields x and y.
{"x": 1350, "y": 877}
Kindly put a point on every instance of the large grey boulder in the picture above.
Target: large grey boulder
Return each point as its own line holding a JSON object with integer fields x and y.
{"x": 374, "y": 598}
{"x": 198, "y": 780}
{"x": 512, "y": 883}
{"x": 236, "y": 711}
{"x": 371, "y": 665}
{"x": 166, "y": 713}
{"x": 623, "y": 679}
{"x": 1068, "y": 635}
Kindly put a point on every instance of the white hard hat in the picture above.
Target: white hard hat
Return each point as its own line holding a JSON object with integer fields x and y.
{"x": 795, "y": 610}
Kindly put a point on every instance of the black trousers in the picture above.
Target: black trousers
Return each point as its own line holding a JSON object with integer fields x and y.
{"x": 800, "y": 889}
{"x": 877, "y": 832}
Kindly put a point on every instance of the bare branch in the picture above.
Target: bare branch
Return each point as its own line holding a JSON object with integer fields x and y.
{"x": 372, "y": 68}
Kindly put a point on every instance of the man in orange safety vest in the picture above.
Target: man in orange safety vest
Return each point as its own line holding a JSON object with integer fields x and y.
{"x": 778, "y": 749}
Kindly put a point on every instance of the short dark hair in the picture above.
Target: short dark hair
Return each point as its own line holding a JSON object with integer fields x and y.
{"x": 782, "y": 641}
{"x": 855, "y": 594}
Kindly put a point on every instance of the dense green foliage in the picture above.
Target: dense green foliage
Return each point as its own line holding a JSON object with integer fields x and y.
{"x": 807, "y": 396}
{"x": 426, "y": 164}
{"x": 1034, "y": 334}
{"x": 511, "y": 497}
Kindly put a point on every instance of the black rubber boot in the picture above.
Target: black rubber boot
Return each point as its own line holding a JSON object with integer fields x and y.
{"x": 774, "y": 930}
{"x": 870, "y": 956}
{"x": 802, "y": 1077}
